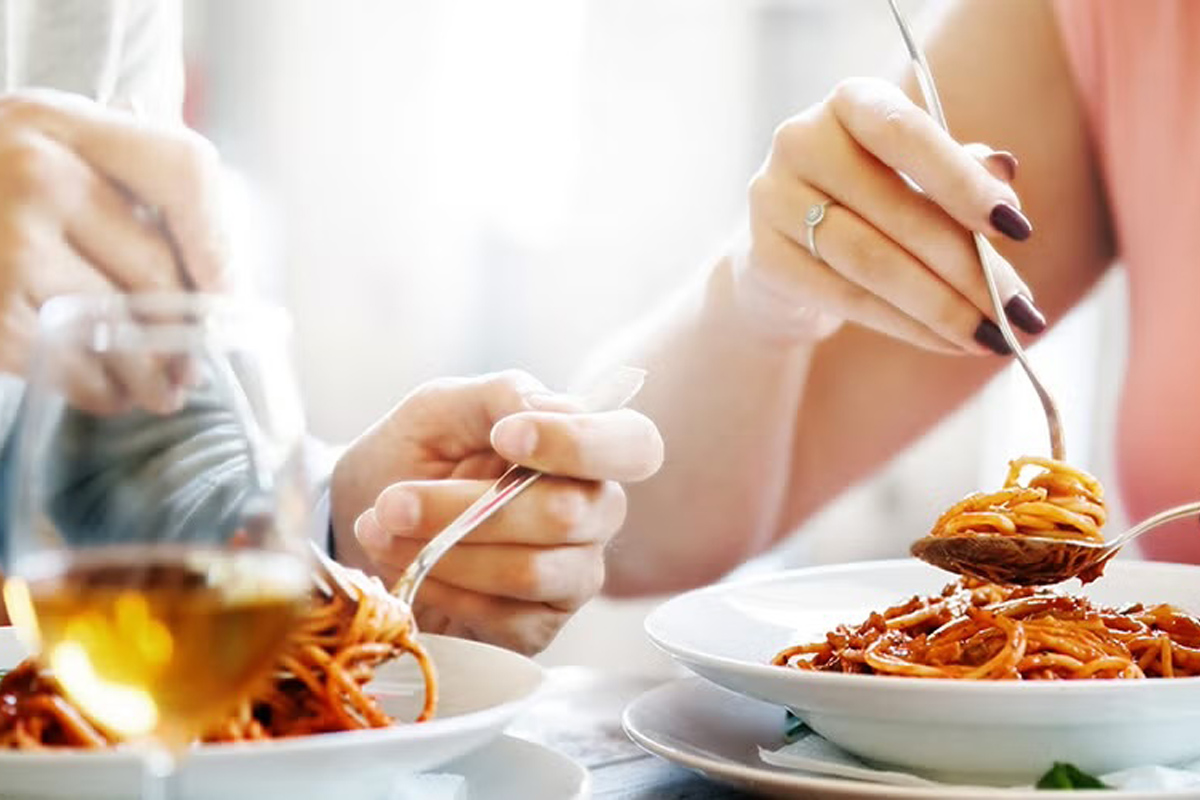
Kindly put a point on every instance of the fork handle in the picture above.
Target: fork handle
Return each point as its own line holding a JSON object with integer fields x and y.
{"x": 514, "y": 481}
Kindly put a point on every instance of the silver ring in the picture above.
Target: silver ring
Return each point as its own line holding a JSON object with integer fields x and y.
{"x": 812, "y": 219}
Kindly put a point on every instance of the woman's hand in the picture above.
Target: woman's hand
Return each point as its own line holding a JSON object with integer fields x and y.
{"x": 521, "y": 575}
{"x": 893, "y": 257}
{"x": 94, "y": 201}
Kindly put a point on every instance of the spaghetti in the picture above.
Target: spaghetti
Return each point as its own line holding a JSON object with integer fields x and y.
{"x": 318, "y": 687}
{"x": 1058, "y": 502}
{"x": 983, "y": 631}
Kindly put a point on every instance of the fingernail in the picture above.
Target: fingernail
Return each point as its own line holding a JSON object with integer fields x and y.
{"x": 1021, "y": 311}
{"x": 1003, "y": 165}
{"x": 398, "y": 509}
{"x": 1011, "y": 222}
{"x": 515, "y": 438}
{"x": 368, "y": 532}
{"x": 989, "y": 335}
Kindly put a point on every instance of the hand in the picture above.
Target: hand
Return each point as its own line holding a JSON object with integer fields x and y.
{"x": 893, "y": 257}
{"x": 516, "y": 579}
{"x": 95, "y": 201}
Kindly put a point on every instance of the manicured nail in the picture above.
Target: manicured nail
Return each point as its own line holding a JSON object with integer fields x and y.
{"x": 990, "y": 336}
{"x": 1011, "y": 222}
{"x": 1003, "y": 165}
{"x": 1021, "y": 312}
{"x": 515, "y": 438}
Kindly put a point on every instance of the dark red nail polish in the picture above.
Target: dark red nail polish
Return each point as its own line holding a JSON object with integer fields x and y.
{"x": 1005, "y": 164}
{"x": 990, "y": 336}
{"x": 1021, "y": 312}
{"x": 1011, "y": 222}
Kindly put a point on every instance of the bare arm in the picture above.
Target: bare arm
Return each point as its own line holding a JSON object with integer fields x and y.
{"x": 761, "y": 433}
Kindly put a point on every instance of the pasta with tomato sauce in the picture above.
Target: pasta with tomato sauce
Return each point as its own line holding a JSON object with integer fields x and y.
{"x": 976, "y": 630}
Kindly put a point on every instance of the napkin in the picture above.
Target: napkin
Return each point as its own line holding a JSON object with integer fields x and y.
{"x": 812, "y": 753}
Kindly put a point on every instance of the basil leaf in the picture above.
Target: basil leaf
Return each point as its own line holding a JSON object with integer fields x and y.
{"x": 1069, "y": 776}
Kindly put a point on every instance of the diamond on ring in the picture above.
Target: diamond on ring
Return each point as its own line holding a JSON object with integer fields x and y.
{"x": 815, "y": 214}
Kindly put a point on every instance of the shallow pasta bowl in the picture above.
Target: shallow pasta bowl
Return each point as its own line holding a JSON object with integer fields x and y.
{"x": 1002, "y": 732}
{"x": 482, "y": 689}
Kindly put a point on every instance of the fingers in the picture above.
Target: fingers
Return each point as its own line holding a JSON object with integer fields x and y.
{"x": 553, "y": 511}
{"x": 1000, "y": 163}
{"x": 98, "y": 219}
{"x": 855, "y": 178}
{"x": 467, "y": 408}
{"x": 525, "y": 627}
{"x": 107, "y": 230}
{"x": 170, "y": 169}
{"x": 867, "y": 278}
{"x": 561, "y": 577}
{"x": 528, "y": 424}
{"x": 621, "y": 445}
{"x": 545, "y": 547}
{"x": 881, "y": 118}
{"x": 896, "y": 252}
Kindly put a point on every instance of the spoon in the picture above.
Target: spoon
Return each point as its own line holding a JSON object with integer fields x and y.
{"x": 1033, "y": 560}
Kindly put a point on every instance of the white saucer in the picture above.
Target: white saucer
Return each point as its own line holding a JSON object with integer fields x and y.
{"x": 517, "y": 769}
{"x": 716, "y": 732}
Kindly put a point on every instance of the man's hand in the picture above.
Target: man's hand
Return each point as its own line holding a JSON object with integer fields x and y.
{"x": 521, "y": 575}
{"x": 95, "y": 201}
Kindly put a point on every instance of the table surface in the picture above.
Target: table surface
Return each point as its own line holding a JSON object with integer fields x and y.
{"x": 579, "y": 714}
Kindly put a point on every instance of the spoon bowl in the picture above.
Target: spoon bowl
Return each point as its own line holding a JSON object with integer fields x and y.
{"x": 1033, "y": 560}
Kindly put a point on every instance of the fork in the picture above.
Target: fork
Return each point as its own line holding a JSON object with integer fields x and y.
{"x": 986, "y": 252}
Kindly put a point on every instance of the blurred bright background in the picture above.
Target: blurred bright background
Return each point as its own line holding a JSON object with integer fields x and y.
{"x": 441, "y": 187}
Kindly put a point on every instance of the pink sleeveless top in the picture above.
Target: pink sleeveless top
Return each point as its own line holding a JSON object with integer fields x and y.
{"x": 1137, "y": 64}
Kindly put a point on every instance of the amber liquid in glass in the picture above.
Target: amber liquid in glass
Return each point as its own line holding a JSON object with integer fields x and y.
{"x": 159, "y": 646}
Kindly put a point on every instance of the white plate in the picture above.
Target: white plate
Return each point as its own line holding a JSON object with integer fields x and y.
{"x": 716, "y": 732}
{"x": 482, "y": 690}
{"x": 997, "y": 732}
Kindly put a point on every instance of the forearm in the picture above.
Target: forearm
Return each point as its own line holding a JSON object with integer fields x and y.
{"x": 725, "y": 398}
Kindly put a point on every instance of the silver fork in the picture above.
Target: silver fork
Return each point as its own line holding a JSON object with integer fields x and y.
{"x": 1058, "y": 448}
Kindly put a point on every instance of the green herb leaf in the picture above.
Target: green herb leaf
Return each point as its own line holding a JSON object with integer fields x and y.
{"x": 1069, "y": 776}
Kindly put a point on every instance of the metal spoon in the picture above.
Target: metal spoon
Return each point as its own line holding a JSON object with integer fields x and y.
{"x": 1033, "y": 560}
{"x": 986, "y": 252}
